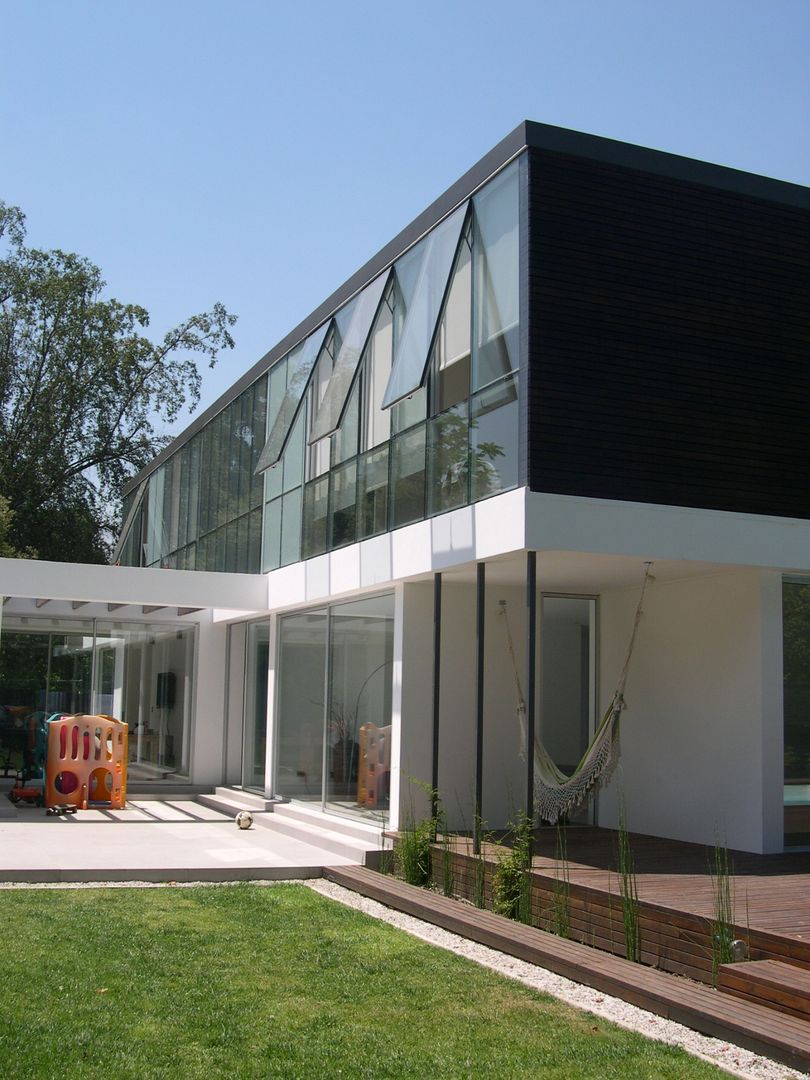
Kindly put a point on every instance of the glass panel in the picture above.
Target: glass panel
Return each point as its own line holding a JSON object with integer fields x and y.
{"x": 409, "y": 411}
{"x": 274, "y": 480}
{"x": 408, "y": 477}
{"x": 448, "y": 455}
{"x": 343, "y": 505}
{"x": 146, "y": 680}
{"x": 294, "y": 454}
{"x": 154, "y": 539}
{"x": 372, "y": 498}
{"x": 301, "y": 705}
{"x": 230, "y": 547}
{"x": 346, "y": 438}
{"x": 567, "y": 681}
{"x": 796, "y": 662}
{"x": 361, "y": 651}
{"x": 300, "y": 363}
{"x": 320, "y": 452}
{"x": 363, "y": 309}
{"x": 316, "y": 503}
{"x": 494, "y": 439}
{"x": 413, "y": 345}
{"x": 375, "y": 374}
{"x": 291, "y": 527}
{"x": 451, "y": 382}
{"x": 272, "y": 535}
{"x": 129, "y": 546}
{"x": 276, "y": 392}
{"x": 255, "y": 730}
{"x": 254, "y": 541}
{"x": 496, "y": 278}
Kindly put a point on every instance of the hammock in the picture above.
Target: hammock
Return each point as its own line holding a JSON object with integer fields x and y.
{"x": 556, "y": 794}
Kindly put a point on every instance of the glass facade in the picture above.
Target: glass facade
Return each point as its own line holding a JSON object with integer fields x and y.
{"x": 140, "y": 673}
{"x": 402, "y": 405}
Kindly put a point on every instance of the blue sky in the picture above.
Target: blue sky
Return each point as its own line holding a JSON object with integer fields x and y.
{"x": 259, "y": 152}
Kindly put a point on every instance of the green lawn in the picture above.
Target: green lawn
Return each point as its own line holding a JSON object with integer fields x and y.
{"x": 265, "y": 982}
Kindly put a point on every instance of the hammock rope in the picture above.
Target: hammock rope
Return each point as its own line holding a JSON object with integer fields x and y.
{"x": 555, "y": 793}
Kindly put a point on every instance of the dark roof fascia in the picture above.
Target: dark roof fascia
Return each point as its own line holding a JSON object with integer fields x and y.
{"x": 462, "y": 189}
{"x": 532, "y": 134}
{"x": 596, "y": 147}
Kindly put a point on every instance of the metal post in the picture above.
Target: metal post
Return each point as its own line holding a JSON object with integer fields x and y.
{"x": 437, "y": 672}
{"x": 531, "y": 676}
{"x": 480, "y": 598}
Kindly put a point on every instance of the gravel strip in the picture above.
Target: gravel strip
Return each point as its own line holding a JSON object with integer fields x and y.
{"x": 734, "y": 1059}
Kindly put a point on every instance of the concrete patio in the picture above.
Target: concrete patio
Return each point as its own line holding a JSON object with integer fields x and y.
{"x": 173, "y": 840}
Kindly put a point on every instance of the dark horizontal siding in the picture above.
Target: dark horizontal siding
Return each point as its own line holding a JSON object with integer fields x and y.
{"x": 669, "y": 340}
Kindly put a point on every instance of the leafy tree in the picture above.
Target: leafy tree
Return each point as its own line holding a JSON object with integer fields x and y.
{"x": 83, "y": 392}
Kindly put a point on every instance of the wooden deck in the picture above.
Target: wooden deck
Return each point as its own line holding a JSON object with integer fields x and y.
{"x": 771, "y": 896}
{"x": 746, "y": 1023}
{"x": 771, "y": 892}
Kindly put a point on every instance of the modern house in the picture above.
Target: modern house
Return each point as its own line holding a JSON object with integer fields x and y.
{"x": 436, "y": 497}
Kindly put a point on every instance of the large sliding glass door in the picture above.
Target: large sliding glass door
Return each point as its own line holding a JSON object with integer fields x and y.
{"x": 334, "y": 705}
{"x": 254, "y": 744}
{"x": 301, "y": 705}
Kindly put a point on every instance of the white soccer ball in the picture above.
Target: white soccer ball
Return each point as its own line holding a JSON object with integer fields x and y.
{"x": 244, "y": 819}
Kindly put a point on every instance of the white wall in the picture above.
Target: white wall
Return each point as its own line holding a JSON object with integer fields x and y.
{"x": 703, "y": 698}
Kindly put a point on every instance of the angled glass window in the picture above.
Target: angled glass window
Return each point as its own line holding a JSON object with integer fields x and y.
{"x": 359, "y": 315}
{"x": 451, "y": 373}
{"x": 377, "y": 428}
{"x": 435, "y": 254}
{"x": 495, "y": 245}
{"x": 345, "y": 441}
{"x": 300, "y": 363}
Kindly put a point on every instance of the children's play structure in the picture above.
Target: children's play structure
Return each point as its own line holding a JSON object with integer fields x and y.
{"x": 74, "y": 762}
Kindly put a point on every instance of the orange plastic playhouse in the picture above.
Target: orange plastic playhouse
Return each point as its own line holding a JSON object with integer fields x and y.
{"x": 87, "y": 762}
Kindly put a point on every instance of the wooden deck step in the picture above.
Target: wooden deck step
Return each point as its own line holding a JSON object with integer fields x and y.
{"x": 755, "y": 1026}
{"x": 770, "y": 982}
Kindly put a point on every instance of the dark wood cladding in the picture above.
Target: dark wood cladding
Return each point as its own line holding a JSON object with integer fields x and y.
{"x": 669, "y": 340}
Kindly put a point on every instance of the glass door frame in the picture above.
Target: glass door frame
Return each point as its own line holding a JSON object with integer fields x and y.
{"x": 249, "y": 700}
{"x": 593, "y": 673}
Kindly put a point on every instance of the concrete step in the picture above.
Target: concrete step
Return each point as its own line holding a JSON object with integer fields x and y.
{"x": 367, "y": 832}
{"x": 232, "y": 800}
{"x": 316, "y": 835}
{"x": 249, "y": 800}
{"x": 227, "y": 806}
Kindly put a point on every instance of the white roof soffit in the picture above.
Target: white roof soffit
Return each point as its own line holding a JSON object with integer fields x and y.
{"x": 125, "y": 585}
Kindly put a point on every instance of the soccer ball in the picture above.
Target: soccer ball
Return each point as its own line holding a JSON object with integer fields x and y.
{"x": 244, "y": 819}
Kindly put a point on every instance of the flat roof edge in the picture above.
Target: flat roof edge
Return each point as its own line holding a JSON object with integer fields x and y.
{"x": 612, "y": 152}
